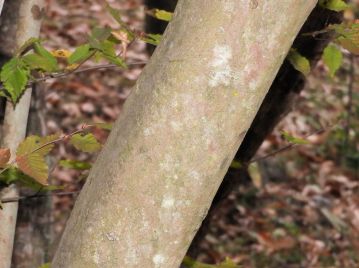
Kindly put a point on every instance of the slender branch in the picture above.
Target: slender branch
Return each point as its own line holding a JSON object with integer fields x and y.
{"x": 291, "y": 145}
{"x": 37, "y": 195}
{"x": 64, "y": 137}
{"x": 86, "y": 69}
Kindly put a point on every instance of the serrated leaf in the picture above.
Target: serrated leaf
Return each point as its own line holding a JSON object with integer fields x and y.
{"x": 39, "y": 49}
{"x": 347, "y": 35}
{"x": 115, "y": 60}
{"x": 299, "y": 62}
{"x": 30, "y": 156}
{"x": 348, "y": 44}
{"x": 101, "y": 34}
{"x": 107, "y": 50}
{"x": 35, "y": 166}
{"x": 153, "y": 39}
{"x": 161, "y": 14}
{"x": 333, "y": 58}
{"x": 74, "y": 164}
{"x": 85, "y": 142}
{"x": 36, "y": 61}
{"x": 42, "y": 145}
{"x": 335, "y": 5}
{"x": 80, "y": 54}
{"x": 4, "y": 156}
{"x": 15, "y": 175}
{"x": 29, "y": 182}
{"x": 295, "y": 140}
{"x": 14, "y": 75}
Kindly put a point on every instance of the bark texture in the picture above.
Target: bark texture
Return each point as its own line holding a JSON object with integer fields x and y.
{"x": 157, "y": 175}
{"x": 27, "y": 24}
{"x": 276, "y": 105}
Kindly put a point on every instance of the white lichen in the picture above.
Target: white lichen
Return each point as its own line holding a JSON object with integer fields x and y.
{"x": 221, "y": 70}
{"x": 168, "y": 202}
{"x": 111, "y": 236}
{"x": 96, "y": 257}
{"x": 176, "y": 126}
{"x": 194, "y": 175}
{"x": 158, "y": 260}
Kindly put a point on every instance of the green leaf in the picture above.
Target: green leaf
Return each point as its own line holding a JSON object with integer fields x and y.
{"x": 74, "y": 164}
{"x": 107, "y": 49}
{"x": 115, "y": 60}
{"x": 14, "y": 75}
{"x": 101, "y": 33}
{"x": 236, "y": 164}
{"x": 162, "y": 14}
{"x": 13, "y": 174}
{"x": 335, "y": 5}
{"x": 27, "y": 45}
{"x": 10, "y": 175}
{"x": 36, "y": 61}
{"x": 40, "y": 50}
{"x": 30, "y": 156}
{"x": 81, "y": 53}
{"x": 347, "y": 36}
{"x": 153, "y": 39}
{"x": 295, "y": 140}
{"x": 299, "y": 62}
{"x": 42, "y": 145}
{"x": 333, "y": 58}
{"x": 85, "y": 142}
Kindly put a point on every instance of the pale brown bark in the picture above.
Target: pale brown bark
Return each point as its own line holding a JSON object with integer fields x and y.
{"x": 166, "y": 156}
{"x": 14, "y": 127}
{"x": 1, "y": 5}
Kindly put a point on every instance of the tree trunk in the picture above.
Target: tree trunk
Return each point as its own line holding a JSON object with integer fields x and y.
{"x": 26, "y": 24}
{"x": 277, "y": 103}
{"x": 154, "y": 181}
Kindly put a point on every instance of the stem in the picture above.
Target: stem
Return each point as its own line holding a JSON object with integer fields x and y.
{"x": 290, "y": 146}
{"x": 63, "y": 74}
{"x": 17, "y": 199}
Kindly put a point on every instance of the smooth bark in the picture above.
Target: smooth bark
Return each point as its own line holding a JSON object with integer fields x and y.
{"x": 166, "y": 156}
{"x": 15, "y": 122}
{"x": 1, "y": 5}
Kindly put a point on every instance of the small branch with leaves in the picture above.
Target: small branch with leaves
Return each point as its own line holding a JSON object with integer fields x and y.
{"x": 29, "y": 166}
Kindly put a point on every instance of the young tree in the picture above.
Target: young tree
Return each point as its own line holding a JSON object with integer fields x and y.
{"x": 24, "y": 23}
{"x": 166, "y": 156}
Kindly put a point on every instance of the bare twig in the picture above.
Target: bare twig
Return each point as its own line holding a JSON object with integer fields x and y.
{"x": 37, "y": 195}
{"x": 291, "y": 145}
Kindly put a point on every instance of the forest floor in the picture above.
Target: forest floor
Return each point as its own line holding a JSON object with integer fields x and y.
{"x": 302, "y": 209}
